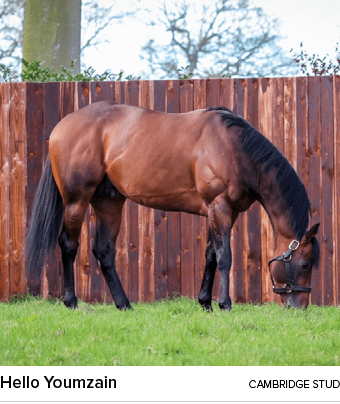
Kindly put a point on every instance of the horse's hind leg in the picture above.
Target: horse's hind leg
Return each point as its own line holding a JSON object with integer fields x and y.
{"x": 108, "y": 204}
{"x": 205, "y": 294}
{"x": 68, "y": 242}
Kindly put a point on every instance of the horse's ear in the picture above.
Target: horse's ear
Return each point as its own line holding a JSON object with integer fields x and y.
{"x": 311, "y": 233}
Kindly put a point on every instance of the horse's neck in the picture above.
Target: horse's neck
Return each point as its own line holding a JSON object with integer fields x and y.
{"x": 274, "y": 204}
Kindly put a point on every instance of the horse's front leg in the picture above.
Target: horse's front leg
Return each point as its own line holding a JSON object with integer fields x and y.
{"x": 205, "y": 294}
{"x": 223, "y": 257}
{"x": 221, "y": 220}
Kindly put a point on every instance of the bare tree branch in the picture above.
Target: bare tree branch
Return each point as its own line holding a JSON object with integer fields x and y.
{"x": 11, "y": 30}
{"x": 96, "y": 19}
{"x": 229, "y": 37}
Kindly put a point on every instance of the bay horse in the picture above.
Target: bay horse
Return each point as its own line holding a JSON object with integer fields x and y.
{"x": 208, "y": 162}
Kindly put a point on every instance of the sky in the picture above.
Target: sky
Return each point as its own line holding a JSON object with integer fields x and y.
{"x": 316, "y": 23}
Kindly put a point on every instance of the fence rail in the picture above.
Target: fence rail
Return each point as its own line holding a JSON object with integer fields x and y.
{"x": 161, "y": 254}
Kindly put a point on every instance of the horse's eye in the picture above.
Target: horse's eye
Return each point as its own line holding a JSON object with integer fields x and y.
{"x": 304, "y": 265}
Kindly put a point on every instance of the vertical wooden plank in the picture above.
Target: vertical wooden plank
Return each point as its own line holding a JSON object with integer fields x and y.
{"x": 290, "y": 148}
{"x": 119, "y": 92}
{"x": 17, "y": 187}
{"x": 200, "y": 223}
{"x": 50, "y": 112}
{"x": 336, "y": 200}
{"x": 239, "y": 90}
{"x": 227, "y": 93}
{"x": 122, "y": 243}
{"x": 133, "y": 250}
{"x": 51, "y": 273}
{"x": 82, "y": 264}
{"x": 302, "y": 131}
{"x": 122, "y": 256}
{"x": 160, "y": 217}
{"x": 187, "y": 222}
{"x": 66, "y": 98}
{"x": 252, "y": 234}
{"x": 95, "y": 92}
{"x": 267, "y": 238}
{"x": 327, "y": 180}
{"x": 278, "y": 110}
{"x": 239, "y": 260}
{"x": 4, "y": 191}
{"x": 160, "y": 253}
{"x": 315, "y": 189}
{"x": 201, "y": 93}
{"x": 302, "y": 156}
{"x": 132, "y": 98}
{"x": 147, "y": 279}
{"x": 146, "y": 228}
{"x": 213, "y": 94}
{"x": 82, "y": 94}
{"x": 131, "y": 92}
{"x": 107, "y": 90}
{"x": 34, "y": 124}
{"x": 146, "y": 94}
{"x": 35, "y": 151}
{"x": 174, "y": 218}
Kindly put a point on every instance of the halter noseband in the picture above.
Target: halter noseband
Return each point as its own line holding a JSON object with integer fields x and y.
{"x": 290, "y": 286}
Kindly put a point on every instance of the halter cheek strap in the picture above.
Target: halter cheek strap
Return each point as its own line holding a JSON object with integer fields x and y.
{"x": 290, "y": 285}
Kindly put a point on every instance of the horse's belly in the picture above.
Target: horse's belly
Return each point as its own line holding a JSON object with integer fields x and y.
{"x": 158, "y": 183}
{"x": 176, "y": 203}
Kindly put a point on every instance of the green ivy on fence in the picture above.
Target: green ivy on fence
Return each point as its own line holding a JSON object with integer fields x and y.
{"x": 36, "y": 72}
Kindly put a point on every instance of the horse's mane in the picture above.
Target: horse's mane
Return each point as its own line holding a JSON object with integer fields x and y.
{"x": 267, "y": 157}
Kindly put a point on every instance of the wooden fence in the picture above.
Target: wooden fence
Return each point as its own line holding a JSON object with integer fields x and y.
{"x": 161, "y": 254}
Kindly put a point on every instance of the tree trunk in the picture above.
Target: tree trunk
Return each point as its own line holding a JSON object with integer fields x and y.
{"x": 52, "y": 33}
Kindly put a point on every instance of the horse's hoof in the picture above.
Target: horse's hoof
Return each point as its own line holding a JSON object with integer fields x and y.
{"x": 206, "y": 306}
{"x": 71, "y": 303}
{"x": 125, "y": 306}
{"x": 205, "y": 303}
{"x": 225, "y": 306}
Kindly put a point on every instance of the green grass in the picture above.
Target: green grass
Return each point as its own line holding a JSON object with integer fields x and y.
{"x": 36, "y": 331}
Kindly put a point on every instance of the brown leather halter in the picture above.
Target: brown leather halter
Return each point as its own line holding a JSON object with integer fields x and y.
{"x": 290, "y": 285}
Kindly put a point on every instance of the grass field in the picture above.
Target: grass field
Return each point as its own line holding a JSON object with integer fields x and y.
{"x": 35, "y": 331}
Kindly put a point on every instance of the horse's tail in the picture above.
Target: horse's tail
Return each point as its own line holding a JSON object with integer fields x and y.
{"x": 43, "y": 231}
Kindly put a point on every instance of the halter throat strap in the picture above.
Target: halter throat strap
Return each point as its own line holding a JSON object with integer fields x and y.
{"x": 290, "y": 285}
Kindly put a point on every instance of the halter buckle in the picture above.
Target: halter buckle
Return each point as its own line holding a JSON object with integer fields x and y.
{"x": 294, "y": 245}
{"x": 288, "y": 288}
{"x": 286, "y": 259}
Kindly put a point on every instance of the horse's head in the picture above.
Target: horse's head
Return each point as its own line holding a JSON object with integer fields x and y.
{"x": 291, "y": 270}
